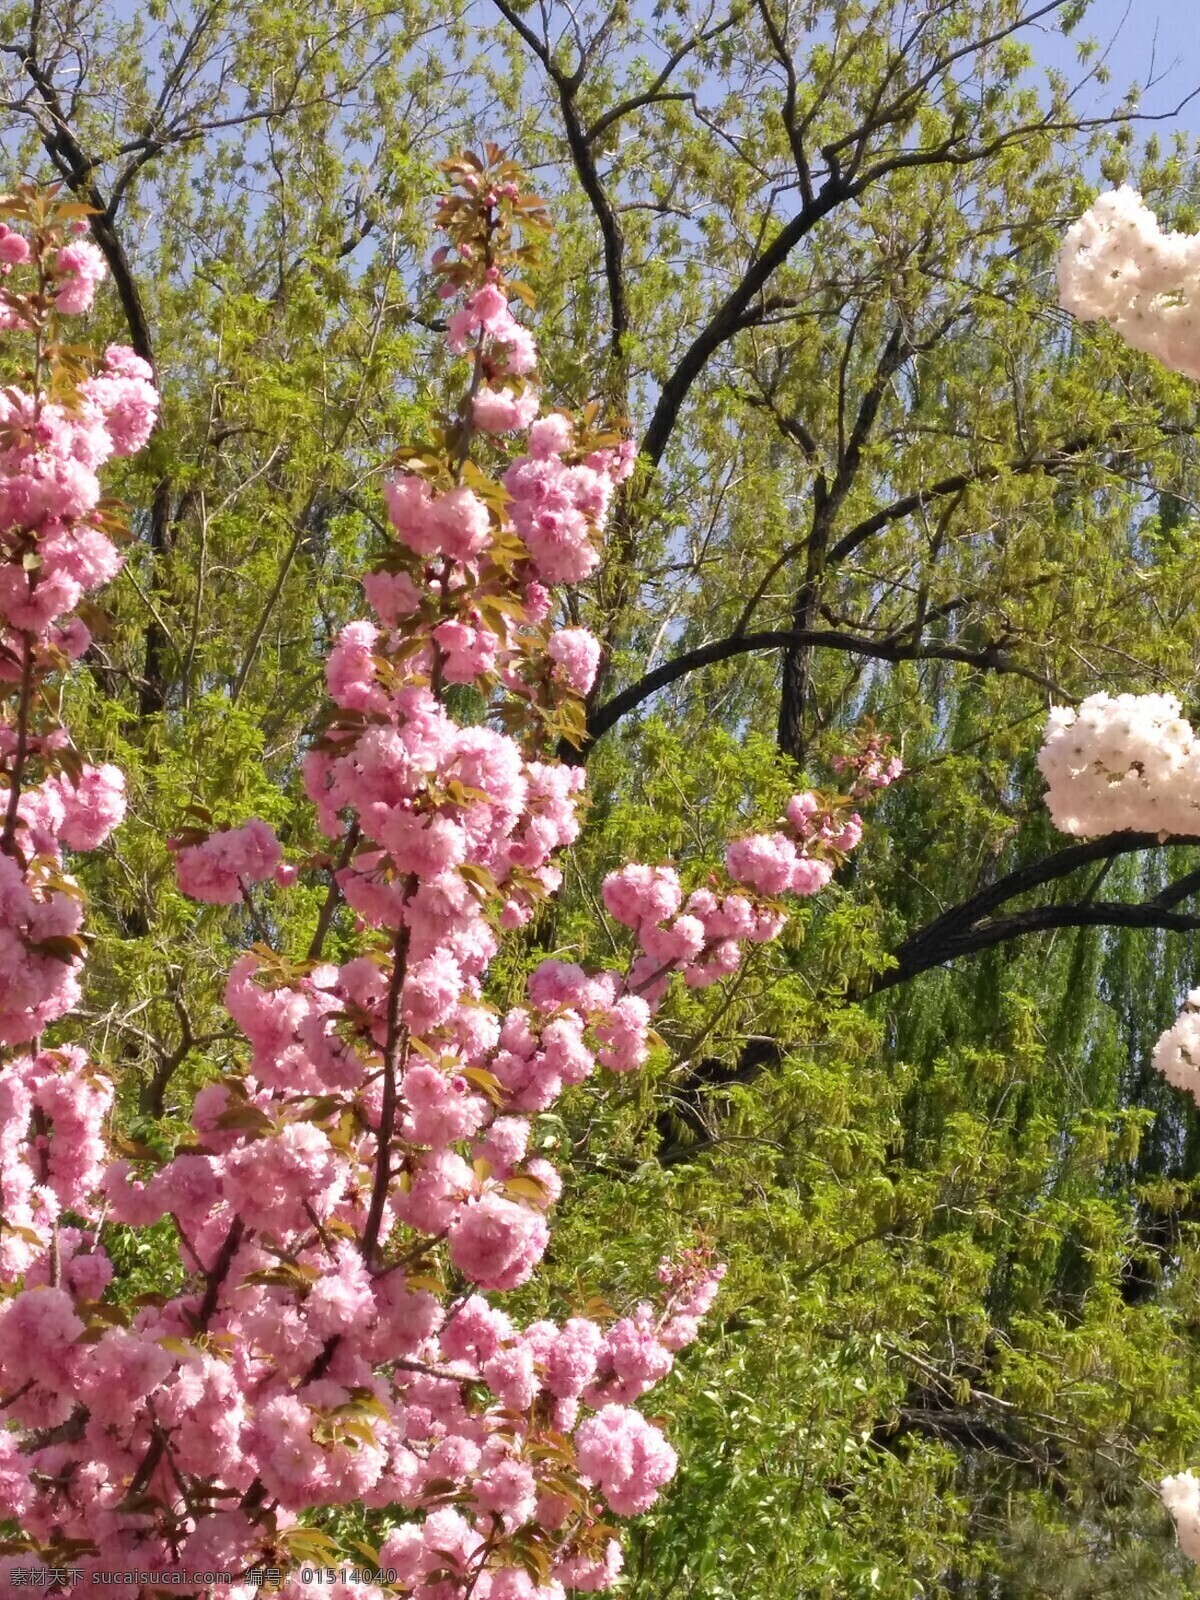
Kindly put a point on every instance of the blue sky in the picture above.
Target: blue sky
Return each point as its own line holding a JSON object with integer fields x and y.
{"x": 1141, "y": 39}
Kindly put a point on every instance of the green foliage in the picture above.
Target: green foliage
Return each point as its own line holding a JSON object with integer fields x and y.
{"x": 958, "y": 1341}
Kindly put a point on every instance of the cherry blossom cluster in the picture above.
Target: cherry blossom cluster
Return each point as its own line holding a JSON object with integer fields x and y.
{"x": 357, "y": 1192}
{"x": 1177, "y": 1053}
{"x": 702, "y": 936}
{"x": 1181, "y": 1496}
{"x": 1122, "y": 761}
{"x": 57, "y": 1093}
{"x": 58, "y": 426}
{"x": 1132, "y": 761}
{"x": 219, "y": 867}
{"x": 1118, "y": 266}
{"x": 871, "y": 765}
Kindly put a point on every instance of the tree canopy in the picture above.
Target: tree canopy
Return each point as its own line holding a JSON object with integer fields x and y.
{"x": 805, "y": 253}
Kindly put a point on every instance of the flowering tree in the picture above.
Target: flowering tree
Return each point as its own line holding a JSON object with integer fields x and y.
{"x": 353, "y": 1198}
{"x": 1133, "y": 761}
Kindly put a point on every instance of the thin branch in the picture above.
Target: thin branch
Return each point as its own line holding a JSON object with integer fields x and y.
{"x": 992, "y": 658}
{"x": 650, "y": 98}
{"x": 969, "y": 927}
{"x": 582, "y": 155}
{"x": 1039, "y": 919}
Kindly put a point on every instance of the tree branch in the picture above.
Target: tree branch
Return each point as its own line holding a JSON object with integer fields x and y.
{"x": 969, "y": 927}
{"x": 992, "y": 658}
{"x": 579, "y": 142}
{"x": 1039, "y": 919}
{"x": 1050, "y": 462}
{"x": 850, "y": 182}
{"x": 827, "y": 502}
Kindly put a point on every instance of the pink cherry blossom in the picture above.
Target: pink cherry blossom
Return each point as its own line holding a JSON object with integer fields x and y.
{"x": 80, "y": 267}
{"x": 218, "y": 869}
{"x": 369, "y": 1150}
{"x": 626, "y": 1456}
{"x": 92, "y": 807}
{"x": 576, "y": 654}
{"x": 502, "y": 411}
{"x": 765, "y": 861}
{"x": 497, "y": 1242}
